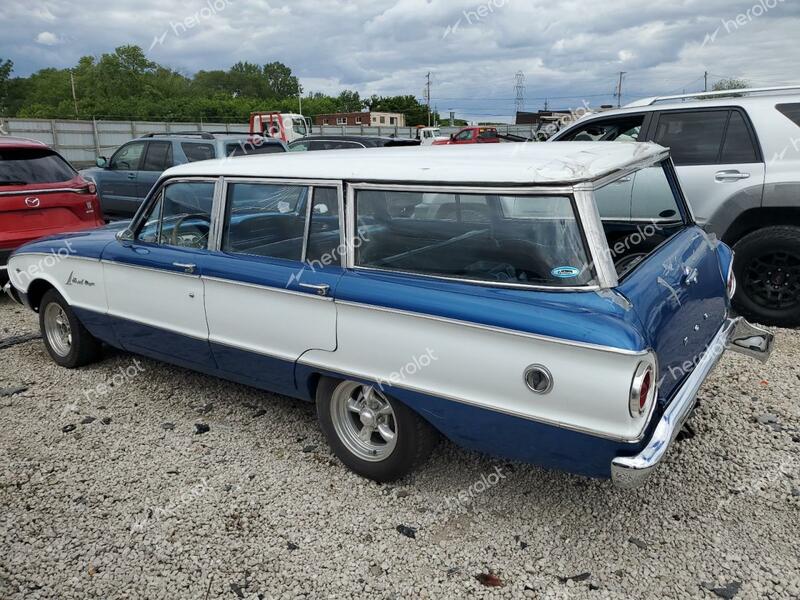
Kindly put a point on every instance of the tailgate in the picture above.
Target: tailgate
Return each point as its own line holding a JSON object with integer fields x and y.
{"x": 679, "y": 294}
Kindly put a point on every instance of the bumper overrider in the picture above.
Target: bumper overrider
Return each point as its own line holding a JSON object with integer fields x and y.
{"x": 735, "y": 334}
{"x": 12, "y": 293}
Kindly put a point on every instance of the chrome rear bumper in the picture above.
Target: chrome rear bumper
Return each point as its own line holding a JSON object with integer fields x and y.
{"x": 735, "y": 334}
{"x": 12, "y": 293}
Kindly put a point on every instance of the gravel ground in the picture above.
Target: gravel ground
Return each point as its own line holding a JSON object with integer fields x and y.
{"x": 110, "y": 492}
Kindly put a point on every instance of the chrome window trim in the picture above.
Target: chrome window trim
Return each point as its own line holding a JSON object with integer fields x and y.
{"x": 157, "y": 190}
{"x": 308, "y": 183}
{"x": 569, "y": 191}
{"x": 217, "y": 216}
{"x": 600, "y": 254}
{"x": 307, "y": 223}
{"x": 496, "y": 329}
{"x": 268, "y": 288}
{"x": 624, "y": 172}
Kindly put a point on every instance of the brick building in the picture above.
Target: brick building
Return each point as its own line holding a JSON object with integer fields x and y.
{"x": 366, "y": 119}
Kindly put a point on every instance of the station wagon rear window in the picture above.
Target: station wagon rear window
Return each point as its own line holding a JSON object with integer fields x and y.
{"x": 517, "y": 239}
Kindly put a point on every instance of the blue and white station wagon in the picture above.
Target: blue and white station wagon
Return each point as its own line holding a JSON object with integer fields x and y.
{"x": 550, "y": 303}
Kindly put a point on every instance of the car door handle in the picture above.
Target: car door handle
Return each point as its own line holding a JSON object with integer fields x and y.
{"x": 131, "y": 175}
{"x": 320, "y": 289}
{"x": 187, "y": 267}
{"x": 732, "y": 175}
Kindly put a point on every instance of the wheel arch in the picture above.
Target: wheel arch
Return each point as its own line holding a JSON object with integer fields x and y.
{"x": 754, "y": 219}
{"x": 37, "y": 289}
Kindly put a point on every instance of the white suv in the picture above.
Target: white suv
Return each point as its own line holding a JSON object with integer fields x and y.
{"x": 737, "y": 154}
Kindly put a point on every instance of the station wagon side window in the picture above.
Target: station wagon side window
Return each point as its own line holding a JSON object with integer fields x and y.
{"x": 496, "y": 238}
{"x": 264, "y": 219}
{"x": 181, "y": 217}
{"x": 639, "y": 212}
{"x": 324, "y": 244}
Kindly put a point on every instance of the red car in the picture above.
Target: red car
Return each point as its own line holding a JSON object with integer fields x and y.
{"x": 40, "y": 194}
{"x": 471, "y": 135}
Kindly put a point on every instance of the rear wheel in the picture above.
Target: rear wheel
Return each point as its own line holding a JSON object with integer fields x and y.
{"x": 767, "y": 269}
{"x": 371, "y": 433}
{"x": 67, "y": 341}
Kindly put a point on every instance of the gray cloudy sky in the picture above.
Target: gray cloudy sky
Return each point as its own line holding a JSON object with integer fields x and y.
{"x": 569, "y": 50}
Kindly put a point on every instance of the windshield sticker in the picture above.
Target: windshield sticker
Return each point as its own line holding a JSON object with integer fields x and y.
{"x": 565, "y": 272}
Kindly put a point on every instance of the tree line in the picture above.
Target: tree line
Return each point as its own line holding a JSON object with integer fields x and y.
{"x": 126, "y": 85}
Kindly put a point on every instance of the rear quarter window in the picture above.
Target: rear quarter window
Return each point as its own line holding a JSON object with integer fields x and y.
{"x": 791, "y": 111}
{"x": 195, "y": 152}
{"x": 514, "y": 238}
{"x": 33, "y": 165}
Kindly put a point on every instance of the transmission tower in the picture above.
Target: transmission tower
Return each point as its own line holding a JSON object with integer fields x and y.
{"x": 519, "y": 88}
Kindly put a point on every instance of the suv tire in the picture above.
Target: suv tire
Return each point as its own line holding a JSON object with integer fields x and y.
{"x": 767, "y": 269}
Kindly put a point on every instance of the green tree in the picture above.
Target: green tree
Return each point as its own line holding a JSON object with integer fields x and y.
{"x": 730, "y": 84}
{"x": 6, "y": 67}
{"x": 280, "y": 83}
{"x": 349, "y": 101}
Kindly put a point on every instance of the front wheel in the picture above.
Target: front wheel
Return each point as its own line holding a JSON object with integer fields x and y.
{"x": 67, "y": 341}
{"x": 371, "y": 433}
{"x": 767, "y": 269}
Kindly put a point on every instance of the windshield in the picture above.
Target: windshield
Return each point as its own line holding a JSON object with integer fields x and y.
{"x": 20, "y": 166}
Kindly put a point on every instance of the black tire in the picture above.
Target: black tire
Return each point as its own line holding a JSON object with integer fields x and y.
{"x": 767, "y": 263}
{"x": 416, "y": 438}
{"x": 84, "y": 348}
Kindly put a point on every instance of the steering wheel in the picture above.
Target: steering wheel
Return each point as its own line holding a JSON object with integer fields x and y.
{"x": 197, "y": 238}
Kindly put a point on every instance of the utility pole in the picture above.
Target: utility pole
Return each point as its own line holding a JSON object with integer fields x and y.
{"x": 519, "y": 88}
{"x": 428, "y": 96}
{"x": 74, "y": 97}
{"x": 705, "y": 78}
{"x": 619, "y": 89}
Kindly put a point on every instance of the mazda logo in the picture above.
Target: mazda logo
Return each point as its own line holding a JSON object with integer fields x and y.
{"x": 32, "y": 201}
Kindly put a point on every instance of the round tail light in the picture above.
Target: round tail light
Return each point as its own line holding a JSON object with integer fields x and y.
{"x": 731, "y": 283}
{"x": 642, "y": 390}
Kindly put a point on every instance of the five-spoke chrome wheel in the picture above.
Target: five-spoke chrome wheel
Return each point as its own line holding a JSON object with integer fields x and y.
{"x": 57, "y": 329}
{"x": 364, "y": 420}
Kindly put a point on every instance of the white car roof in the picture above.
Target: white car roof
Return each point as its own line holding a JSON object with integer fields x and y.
{"x": 505, "y": 163}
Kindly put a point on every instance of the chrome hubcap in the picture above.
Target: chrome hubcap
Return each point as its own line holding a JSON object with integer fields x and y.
{"x": 364, "y": 420}
{"x": 57, "y": 329}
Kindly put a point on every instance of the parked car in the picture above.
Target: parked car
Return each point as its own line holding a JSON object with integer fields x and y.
{"x": 428, "y": 135}
{"x": 529, "y": 329}
{"x": 40, "y": 194}
{"x": 738, "y": 158}
{"x": 347, "y": 142}
{"x": 471, "y": 135}
{"x": 125, "y": 179}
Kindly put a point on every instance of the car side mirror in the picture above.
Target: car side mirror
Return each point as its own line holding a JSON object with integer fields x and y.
{"x": 101, "y": 161}
{"x": 126, "y": 235}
